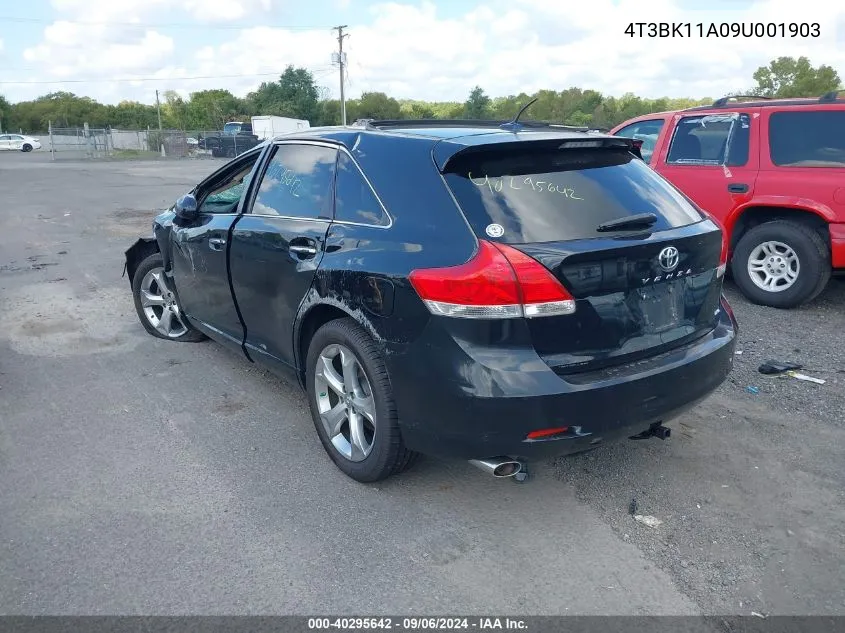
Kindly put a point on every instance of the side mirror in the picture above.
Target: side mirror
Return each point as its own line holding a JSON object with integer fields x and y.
{"x": 186, "y": 208}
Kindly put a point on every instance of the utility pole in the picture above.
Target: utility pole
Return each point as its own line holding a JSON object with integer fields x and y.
{"x": 160, "y": 135}
{"x": 340, "y": 36}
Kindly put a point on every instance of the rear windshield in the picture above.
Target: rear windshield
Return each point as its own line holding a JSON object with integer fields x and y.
{"x": 554, "y": 195}
{"x": 808, "y": 139}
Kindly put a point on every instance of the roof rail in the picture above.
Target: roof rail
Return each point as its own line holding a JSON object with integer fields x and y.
{"x": 491, "y": 123}
{"x": 718, "y": 103}
{"x": 830, "y": 97}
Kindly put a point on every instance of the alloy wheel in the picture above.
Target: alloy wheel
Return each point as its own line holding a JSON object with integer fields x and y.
{"x": 773, "y": 266}
{"x": 159, "y": 305}
{"x": 345, "y": 402}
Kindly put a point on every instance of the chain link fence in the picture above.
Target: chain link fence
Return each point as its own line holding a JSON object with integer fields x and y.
{"x": 111, "y": 143}
{"x": 76, "y": 142}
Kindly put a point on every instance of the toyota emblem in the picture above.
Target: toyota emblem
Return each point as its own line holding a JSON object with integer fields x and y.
{"x": 669, "y": 258}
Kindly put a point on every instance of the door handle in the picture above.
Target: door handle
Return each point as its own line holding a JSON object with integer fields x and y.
{"x": 738, "y": 187}
{"x": 303, "y": 251}
{"x": 216, "y": 243}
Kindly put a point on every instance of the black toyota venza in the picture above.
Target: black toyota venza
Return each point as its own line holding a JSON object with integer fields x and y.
{"x": 475, "y": 290}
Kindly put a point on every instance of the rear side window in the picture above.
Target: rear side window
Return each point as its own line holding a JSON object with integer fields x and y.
{"x": 714, "y": 139}
{"x": 297, "y": 182}
{"x": 647, "y": 132}
{"x": 355, "y": 200}
{"x": 553, "y": 195}
{"x": 808, "y": 139}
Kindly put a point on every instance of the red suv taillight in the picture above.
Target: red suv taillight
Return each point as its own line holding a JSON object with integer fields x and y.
{"x": 499, "y": 282}
{"x": 723, "y": 258}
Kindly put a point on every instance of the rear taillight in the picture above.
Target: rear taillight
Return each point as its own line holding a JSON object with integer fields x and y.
{"x": 499, "y": 282}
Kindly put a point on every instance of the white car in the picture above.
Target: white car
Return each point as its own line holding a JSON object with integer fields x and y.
{"x": 19, "y": 142}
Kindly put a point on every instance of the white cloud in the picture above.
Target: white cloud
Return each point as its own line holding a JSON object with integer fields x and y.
{"x": 134, "y": 10}
{"x": 72, "y": 50}
{"x": 110, "y": 10}
{"x": 411, "y": 50}
{"x": 214, "y": 10}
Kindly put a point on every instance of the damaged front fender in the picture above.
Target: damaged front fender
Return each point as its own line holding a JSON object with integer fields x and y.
{"x": 138, "y": 252}
{"x": 146, "y": 246}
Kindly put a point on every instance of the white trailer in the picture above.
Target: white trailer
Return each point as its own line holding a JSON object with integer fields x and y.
{"x": 265, "y": 127}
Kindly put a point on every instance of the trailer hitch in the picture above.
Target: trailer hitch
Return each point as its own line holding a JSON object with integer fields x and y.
{"x": 655, "y": 430}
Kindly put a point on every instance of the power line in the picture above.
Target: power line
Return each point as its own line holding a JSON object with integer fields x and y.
{"x": 131, "y": 79}
{"x": 166, "y": 25}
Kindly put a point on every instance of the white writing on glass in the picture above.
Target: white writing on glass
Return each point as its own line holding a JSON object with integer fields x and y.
{"x": 293, "y": 183}
{"x": 497, "y": 185}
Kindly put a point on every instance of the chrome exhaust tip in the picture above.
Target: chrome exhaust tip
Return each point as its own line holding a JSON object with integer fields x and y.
{"x": 498, "y": 466}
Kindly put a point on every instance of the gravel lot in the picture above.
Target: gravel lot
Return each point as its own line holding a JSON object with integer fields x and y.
{"x": 146, "y": 477}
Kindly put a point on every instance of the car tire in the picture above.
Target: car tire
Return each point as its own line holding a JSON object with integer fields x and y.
{"x": 154, "y": 300}
{"x": 26, "y": 147}
{"x": 796, "y": 254}
{"x": 379, "y": 451}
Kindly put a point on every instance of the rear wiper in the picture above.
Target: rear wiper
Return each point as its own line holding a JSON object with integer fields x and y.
{"x": 643, "y": 220}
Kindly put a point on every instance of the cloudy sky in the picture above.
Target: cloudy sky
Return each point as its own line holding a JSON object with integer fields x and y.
{"x": 434, "y": 50}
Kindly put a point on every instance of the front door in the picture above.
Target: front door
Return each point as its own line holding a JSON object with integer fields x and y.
{"x": 199, "y": 250}
{"x": 709, "y": 159}
{"x": 278, "y": 243}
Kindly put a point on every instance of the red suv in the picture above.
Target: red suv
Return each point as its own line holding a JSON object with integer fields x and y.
{"x": 772, "y": 171}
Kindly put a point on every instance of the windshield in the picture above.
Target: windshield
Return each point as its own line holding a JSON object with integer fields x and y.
{"x": 232, "y": 128}
{"x": 562, "y": 194}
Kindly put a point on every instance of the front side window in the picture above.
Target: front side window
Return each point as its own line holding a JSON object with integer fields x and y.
{"x": 355, "y": 200}
{"x": 808, "y": 139}
{"x": 647, "y": 132}
{"x": 227, "y": 191}
{"x": 713, "y": 139}
{"x": 298, "y": 182}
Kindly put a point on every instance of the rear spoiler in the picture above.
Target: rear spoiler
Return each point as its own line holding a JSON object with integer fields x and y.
{"x": 445, "y": 152}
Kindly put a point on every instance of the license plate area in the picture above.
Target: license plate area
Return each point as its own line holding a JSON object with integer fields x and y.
{"x": 659, "y": 307}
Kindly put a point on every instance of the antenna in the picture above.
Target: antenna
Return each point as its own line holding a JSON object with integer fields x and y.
{"x": 514, "y": 124}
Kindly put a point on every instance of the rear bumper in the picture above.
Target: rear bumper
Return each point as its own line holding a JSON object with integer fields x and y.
{"x": 462, "y": 402}
{"x": 837, "y": 245}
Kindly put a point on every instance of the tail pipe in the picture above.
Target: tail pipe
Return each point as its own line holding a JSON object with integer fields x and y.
{"x": 502, "y": 466}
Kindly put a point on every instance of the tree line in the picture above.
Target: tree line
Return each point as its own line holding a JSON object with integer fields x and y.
{"x": 296, "y": 94}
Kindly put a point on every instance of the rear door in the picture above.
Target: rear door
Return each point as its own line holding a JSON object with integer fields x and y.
{"x": 639, "y": 289}
{"x": 804, "y": 159}
{"x": 709, "y": 158}
{"x": 278, "y": 243}
{"x": 5, "y": 141}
